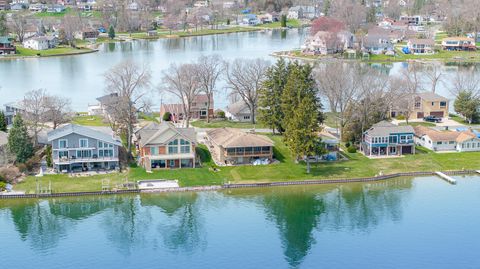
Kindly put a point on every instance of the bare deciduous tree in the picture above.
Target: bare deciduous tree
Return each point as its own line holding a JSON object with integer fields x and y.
{"x": 57, "y": 110}
{"x": 19, "y": 25}
{"x": 245, "y": 78}
{"x": 182, "y": 82}
{"x": 129, "y": 82}
{"x": 34, "y": 108}
{"x": 466, "y": 81}
{"x": 434, "y": 74}
{"x": 209, "y": 69}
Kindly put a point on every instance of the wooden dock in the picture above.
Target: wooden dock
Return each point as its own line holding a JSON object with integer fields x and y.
{"x": 447, "y": 178}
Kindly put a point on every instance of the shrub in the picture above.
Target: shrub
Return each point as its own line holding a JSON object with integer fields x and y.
{"x": 22, "y": 167}
{"x": 220, "y": 114}
{"x": 352, "y": 149}
{"x": 166, "y": 116}
{"x": 133, "y": 165}
{"x": 400, "y": 117}
{"x": 9, "y": 174}
{"x": 3, "y": 186}
{"x": 347, "y": 145}
{"x": 48, "y": 156}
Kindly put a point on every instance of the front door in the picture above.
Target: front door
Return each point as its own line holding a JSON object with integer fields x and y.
{"x": 420, "y": 115}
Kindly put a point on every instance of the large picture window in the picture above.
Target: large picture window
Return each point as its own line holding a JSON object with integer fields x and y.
{"x": 173, "y": 147}
{"x": 184, "y": 146}
{"x": 62, "y": 144}
{"x": 83, "y": 142}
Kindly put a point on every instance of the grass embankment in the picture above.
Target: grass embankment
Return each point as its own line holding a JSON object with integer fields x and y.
{"x": 227, "y": 123}
{"x": 292, "y": 23}
{"x": 50, "y": 52}
{"x": 461, "y": 120}
{"x": 163, "y": 33}
{"x": 440, "y": 55}
{"x": 89, "y": 121}
{"x": 287, "y": 170}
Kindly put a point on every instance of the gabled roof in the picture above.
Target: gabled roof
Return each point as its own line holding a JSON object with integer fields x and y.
{"x": 436, "y": 135}
{"x": 232, "y": 138}
{"x": 422, "y": 41}
{"x": 108, "y": 99}
{"x": 84, "y": 131}
{"x": 465, "y": 136}
{"x": 430, "y": 96}
{"x": 237, "y": 107}
{"x": 160, "y": 131}
{"x": 385, "y": 128}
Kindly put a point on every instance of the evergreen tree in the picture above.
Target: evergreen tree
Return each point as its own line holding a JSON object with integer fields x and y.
{"x": 303, "y": 114}
{"x": 283, "y": 21}
{"x": 326, "y": 7}
{"x": 270, "y": 99}
{"x": 3, "y": 122}
{"x": 111, "y": 32}
{"x": 467, "y": 105}
{"x": 19, "y": 142}
{"x": 3, "y": 24}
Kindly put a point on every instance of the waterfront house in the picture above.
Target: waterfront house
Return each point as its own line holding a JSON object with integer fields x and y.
{"x": 232, "y": 146}
{"x": 78, "y": 148}
{"x": 56, "y": 8}
{"x": 446, "y": 140}
{"x": 386, "y": 139}
{"x": 377, "y": 44}
{"x": 162, "y": 146}
{"x": 41, "y": 42}
{"x": 424, "y": 104}
{"x": 4, "y": 5}
{"x": 459, "y": 43}
{"x": 238, "y": 111}
{"x": 250, "y": 19}
{"x": 6, "y": 46}
{"x": 198, "y": 109}
{"x": 11, "y": 110}
{"x": 412, "y": 20}
{"x": 106, "y": 106}
{"x": 302, "y": 12}
{"x": 323, "y": 43}
{"x": 87, "y": 34}
{"x": 421, "y": 46}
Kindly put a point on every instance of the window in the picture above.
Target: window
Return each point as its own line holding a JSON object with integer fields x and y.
{"x": 83, "y": 143}
{"x": 172, "y": 163}
{"x": 439, "y": 142}
{"x": 62, "y": 154}
{"x": 100, "y": 144}
{"x": 173, "y": 147}
{"x": 62, "y": 144}
{"x": 246, "y": 117}
{"x": 443, "y": 104}
{"x": 393, "y": 139}
{"x": 433, "y": 103}
{"x": 84, "y": 153}
{"x": 451, "y": 142}
{"x": 184, "y": 146}
{"x": 105, "y": 153}
{"x": 417, "y": 104}
{"x": 153, "y": 151}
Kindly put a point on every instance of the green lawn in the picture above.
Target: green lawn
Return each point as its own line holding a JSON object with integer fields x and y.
{"x": 50, "y": 52}
{"x": 331, "y": 119}
{"x": 153, "y": 117}
{"x": 89, "y": 121}
{"x": 290, "y": 23}
{"x": 287, "y": 170}
{"x": 226, "y": 123}
{"x": 421, "y": 123}
{"x": 440, "y": 55}
{"x": 459, "y": 119}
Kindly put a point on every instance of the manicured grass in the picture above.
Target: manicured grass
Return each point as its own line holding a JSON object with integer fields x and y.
{"x": 331, "y": 119}
{"x": 191, "y": 32}
{"x": 152, "y": 117}
{"x": 226, "y": 123}
{"x": 287, "y": 170}
{"x": 50, "y": 52}
{"x": 89, "y": 121}
{"x": 290, "y": 23}
{"x": 421, "y": 123}
{"x": 440, "y": 55}
{"x": 461, "y": 120}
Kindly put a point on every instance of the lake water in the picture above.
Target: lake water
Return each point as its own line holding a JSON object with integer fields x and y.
{"x": 80, "y": 77}
{"x": 402, "y": 223}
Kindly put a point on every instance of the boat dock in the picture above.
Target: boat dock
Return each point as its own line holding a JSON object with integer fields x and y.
{"x": 447, "y": 178}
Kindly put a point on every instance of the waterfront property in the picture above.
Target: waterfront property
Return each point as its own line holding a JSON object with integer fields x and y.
{"x": 6, "y": 46}
{"x": 198, "y": 110}
{"x": 323, "y": 43}
{"x": 446, "y": 140}
{"x": 78, "y": 148}
{"x": 231, "y": 146}
{"x": 386, "y": 139}
{"x": 424, "y": 104}
{"x": 421, "y": 46}
{"x": 459, "y": 43}
{"x": 377, "y": 44}
{"x": 162, "y": 146}
{"x": 11, "y": 110}
{"x": 41, "y": 42}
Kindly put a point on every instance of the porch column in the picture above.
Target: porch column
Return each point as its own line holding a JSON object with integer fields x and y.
{"x": 193, "y": 160}
{"x": 179, "y": 163}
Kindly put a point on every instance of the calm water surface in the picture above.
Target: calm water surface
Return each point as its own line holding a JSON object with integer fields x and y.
{"x": 403, "y": 223}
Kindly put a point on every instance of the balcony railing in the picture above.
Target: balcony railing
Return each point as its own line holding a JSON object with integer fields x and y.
{"x": 249, "y": 153}
{"x": 65, "y": 160}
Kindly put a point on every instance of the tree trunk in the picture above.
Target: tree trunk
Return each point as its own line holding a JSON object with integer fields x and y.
{"x": 208, "y": 108}
{"x": 308, "y": 165}
{"x": 252, "y": 115}
{"x": 129, "y": 141}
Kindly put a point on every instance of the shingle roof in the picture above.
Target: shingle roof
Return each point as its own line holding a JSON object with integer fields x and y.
{"x": 108, "y": 99}
{"x": 231, "y": 138}
{"x": 465, "y": 136}
{"x": 422, "y": 41}
{"x": 154, "y": 130}
{"x": 237, "y": 107}
{"x": 385, "y": 128}
{"x": 82, "y": 130}
{"x": 430, "y": 96}
{"x": 436, "y": 135}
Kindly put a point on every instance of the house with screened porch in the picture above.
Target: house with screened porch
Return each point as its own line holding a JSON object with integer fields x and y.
{"x": 385, "y": 139}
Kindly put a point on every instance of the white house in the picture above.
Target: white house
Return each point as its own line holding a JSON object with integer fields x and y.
{"x": 444, "y": 141}
{"x": 40, "y": 42}
{"x": 238, "y": 111}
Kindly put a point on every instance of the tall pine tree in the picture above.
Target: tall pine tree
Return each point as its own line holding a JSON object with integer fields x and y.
{"x": 3, "y": 122}
{"x": 270, "y": 98}
{"x": 19, "y": 143}
{"x": 303, "y": 115}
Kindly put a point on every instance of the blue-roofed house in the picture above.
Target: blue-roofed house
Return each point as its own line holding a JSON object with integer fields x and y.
{"x": 386, "y": 139}
{"x": 78, "y": 148}
{"x": 250, "y": 19}
{"x": 6, "y": 46}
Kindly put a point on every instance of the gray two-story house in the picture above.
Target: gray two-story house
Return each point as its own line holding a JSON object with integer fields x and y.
{"x": 78, "y": 148}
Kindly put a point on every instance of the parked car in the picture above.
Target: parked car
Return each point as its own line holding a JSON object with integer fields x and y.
{"x": 432, "y": 119}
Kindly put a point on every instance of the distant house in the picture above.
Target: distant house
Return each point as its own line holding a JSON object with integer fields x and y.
{"x": 37, "y": 7}
{"x": 412, "y": 20}
{"x": 458, "y": 43}
{"x": 77, "y": 148}
{"x": 386, "y": 139}
{"x": 12, "y": 110}
{"x": 250, "y": 19}
{"x": 56, "y": 8}
{"x": 201, "y": 4}
{"x": 422, "y": 46}
{"x": 233, "y": 146}
{"x": 6, "y": 46}
{"x": 323, "y": 43}
{"x": 106, "y": 106}
{"x": 238, "y": 111}
{"x": 425, "y": 104}
{"x": 41, "y": 42}
{"x": 437, "y": 140}
{"x": 18, "y": 6}
{"x": 4, "y": 5}
{"x": 162, "y": 146}
{"x": 198, "y": 109}
{"x": 377, "y": 44}
{"x": 87, "y": 34}
{"x": 302, "y": 12}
